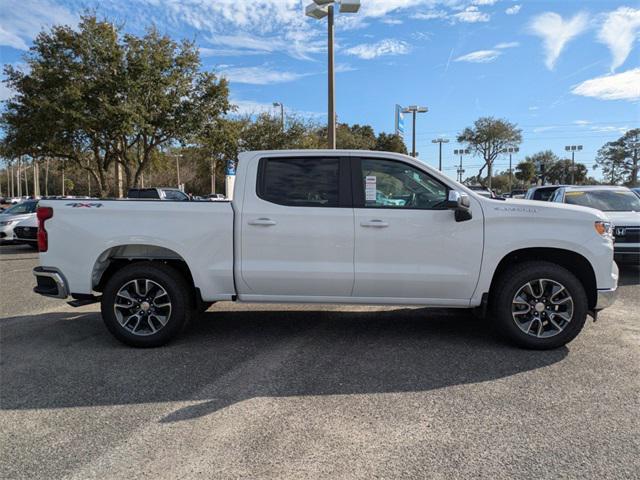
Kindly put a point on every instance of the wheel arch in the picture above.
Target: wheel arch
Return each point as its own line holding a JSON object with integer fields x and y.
{"x": 116, "y": 257}
{"x": 572, "y": 261}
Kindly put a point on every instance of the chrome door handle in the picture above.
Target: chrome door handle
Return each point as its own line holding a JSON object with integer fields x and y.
{"x": 262, "y": 222}
{"x": 374, "y": 223}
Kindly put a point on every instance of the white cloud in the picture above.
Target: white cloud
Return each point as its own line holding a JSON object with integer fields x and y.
{"x": 533, "y": 108}
{"x": 389, "y": 46}
{"x": 252, "y": 107}
{"x": 581, "y": 122}
{"x": 504, "y": 45}
{"x": 258, "y": 75}
{"x": 479, "y": 56}
{"x": 392, "y": 21}
{"x": 556, "y": 33}
{"x": 622, "y": 86}
{"x": 21, "y": 21}
{"x": 429, "y": 15}
{"x": 471, "y": 14}
{"x": 618, "y": 32}
{"x": 513, "y": 10}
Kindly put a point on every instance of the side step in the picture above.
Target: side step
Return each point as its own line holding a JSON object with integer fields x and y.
{"x": 81, "y": 299}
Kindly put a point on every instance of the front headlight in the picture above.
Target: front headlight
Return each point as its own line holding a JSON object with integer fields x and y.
{"x": 604, "y": 229}
{"x": 4, "y": 223}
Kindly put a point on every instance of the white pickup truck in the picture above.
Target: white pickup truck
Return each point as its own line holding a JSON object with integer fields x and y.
{"x": 331, "y": 226}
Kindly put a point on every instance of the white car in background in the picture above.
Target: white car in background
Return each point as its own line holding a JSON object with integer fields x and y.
{"x": 26, "y": 231}
{"x": 620, "y": 204}
{"x": 11, "y": 217}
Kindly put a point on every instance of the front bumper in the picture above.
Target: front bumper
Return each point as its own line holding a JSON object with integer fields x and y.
{"x": 50, "y": 282}
{"x": 606, "y": 298}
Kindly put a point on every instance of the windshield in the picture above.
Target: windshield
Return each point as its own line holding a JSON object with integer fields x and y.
{"x": 605, "y": 200}
{"x": 21, "y": 208}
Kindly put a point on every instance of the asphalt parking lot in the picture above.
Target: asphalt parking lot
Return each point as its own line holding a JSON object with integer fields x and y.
{"x": 312, "y": 392}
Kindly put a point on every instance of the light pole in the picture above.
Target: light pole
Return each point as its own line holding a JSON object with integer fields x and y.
{"x": 318, "y": 10}
{"x": 461, "y": 152}
{"x": 279, "y": 104}
{"x": 440, "y": 140}
{"x": 413, "y": 109}
{"x": 510, "y": 151}
{"x": 572, "y": 149}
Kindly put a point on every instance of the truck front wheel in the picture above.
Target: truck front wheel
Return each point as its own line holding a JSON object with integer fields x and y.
{"x": 146, "y": 304}
{"x": 539, "y": 305}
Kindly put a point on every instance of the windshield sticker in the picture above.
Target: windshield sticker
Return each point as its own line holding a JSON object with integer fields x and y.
{"x": 370, "y": 188}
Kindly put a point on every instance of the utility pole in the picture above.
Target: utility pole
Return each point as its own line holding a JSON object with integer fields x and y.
{"x": 573, "y": 149}
{"x": 117, "y": 177}
{"x": 178, "y": 156}
{"x": 46, "y": 178}
{"x": 461, "y": 152}
{"x": 19, "y": 178}
{"x": 440, "y": 140}
{"x": 213, "y": 174}
{"x": 413, "y": 109}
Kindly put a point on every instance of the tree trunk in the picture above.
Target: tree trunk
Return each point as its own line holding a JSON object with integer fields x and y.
{"x": 489, "y": 173}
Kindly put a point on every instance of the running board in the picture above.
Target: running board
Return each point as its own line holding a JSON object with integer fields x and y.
{"x": 81, "y": 299}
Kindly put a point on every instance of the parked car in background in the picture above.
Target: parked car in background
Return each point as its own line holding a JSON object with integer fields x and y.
{"x": 215, "y": 197}
{"x": 163, "y": 193}
{"x": 26, "y": 231}
{"x": 620, "y": 204}
{"x": 484, "y": 191}
{"x": 518, "y": 193}
{"x": 10, "y": 217}
{"x": 542, "y": 193}
{"x": 308, "y": 226}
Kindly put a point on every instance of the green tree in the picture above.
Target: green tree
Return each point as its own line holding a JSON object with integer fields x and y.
{"x": 525, "y": 172}
{"x": 390, "y": 142}
{"x": 620, "y": 159}
{"x": 96, "y": 97}
{"x": 560, "y": 172}
{"x": 612, "y": 159}
{"x": 488, "y": 138}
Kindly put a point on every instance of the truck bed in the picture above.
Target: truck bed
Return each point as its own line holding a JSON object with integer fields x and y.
{"x": 200, "y": 233}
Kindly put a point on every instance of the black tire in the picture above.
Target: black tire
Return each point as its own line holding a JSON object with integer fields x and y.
{"x": 161, "y": 277}
{"x": 513, "y": 280}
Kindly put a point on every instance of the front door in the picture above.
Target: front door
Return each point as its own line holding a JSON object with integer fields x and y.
{"x": 297, "y": 229}
{"x": 408, "y": 245}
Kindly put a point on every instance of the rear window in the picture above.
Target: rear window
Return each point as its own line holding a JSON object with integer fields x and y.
{"x": 22, "y": 208}
{"x": 605, "y": 200}
{"x": 544, "y": 194}
{"x": 300, "y": 182}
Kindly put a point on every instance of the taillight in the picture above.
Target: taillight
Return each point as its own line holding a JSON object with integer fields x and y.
{"x": 43, "y": 214}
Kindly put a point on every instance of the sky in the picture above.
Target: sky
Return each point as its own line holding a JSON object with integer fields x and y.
{"x": 566, "y": 72}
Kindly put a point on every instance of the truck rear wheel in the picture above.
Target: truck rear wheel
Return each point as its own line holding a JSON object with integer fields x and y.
{"x": 146, "y": 304}
{"x": 539, "y": 305}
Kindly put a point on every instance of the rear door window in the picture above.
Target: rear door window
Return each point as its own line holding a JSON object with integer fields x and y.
{"x": 300, "y": 182}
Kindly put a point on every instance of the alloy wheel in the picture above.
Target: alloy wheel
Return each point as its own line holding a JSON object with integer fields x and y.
{"x": 142, "y": 306}
{"x": 542, "y": 308}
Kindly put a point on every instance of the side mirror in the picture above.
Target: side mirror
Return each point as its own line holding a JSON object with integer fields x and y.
{"x": 460, "y": 203}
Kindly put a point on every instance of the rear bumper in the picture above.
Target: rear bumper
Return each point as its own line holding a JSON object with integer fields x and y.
{"x": 50, "y": 282}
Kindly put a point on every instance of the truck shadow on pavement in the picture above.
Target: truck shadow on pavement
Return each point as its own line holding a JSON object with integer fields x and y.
{"x": 60, "y": 360}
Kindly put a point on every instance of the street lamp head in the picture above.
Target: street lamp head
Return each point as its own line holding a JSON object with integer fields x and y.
{"x": 314, "y": 11}
{"x": 349, "y": 6}
{"x": 277, "y": 104}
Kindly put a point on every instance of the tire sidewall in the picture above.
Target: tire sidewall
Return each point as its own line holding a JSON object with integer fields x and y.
{"x": 165, "y": 276}
{"x": 514, "y": 280}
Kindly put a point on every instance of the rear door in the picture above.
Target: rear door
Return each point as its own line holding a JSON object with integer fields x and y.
{"x": 408, "y": 245}
{"x": 297, "y": 235}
